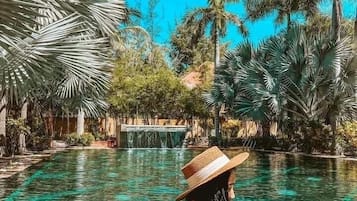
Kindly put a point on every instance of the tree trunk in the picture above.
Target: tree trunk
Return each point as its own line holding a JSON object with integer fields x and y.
{"x": 216, "y": 66}
{"x": 3, "y": 116}
{"x": 336, "y": 19}
{"x": 333, "y": 123}
{"x": 137, "y": 114}
{"x": 336, "y": 28}
{"x": 336, "y": 34}
{"x": 24, "y": 111}
{"x": 289, "y": 22}
{"x": 51, "y": 123}
{"x": 107, "y": 123}
{"x": 355, "y": 33}
{"x": 266, "y": 129}
{"x": 80, "y": 122}
{"x": 67, "y": 114}
{"x": 3, "y": 102}
{"x": 22, "y": 138}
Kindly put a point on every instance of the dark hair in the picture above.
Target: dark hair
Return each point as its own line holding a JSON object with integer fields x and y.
{"x": 214, "y": 190}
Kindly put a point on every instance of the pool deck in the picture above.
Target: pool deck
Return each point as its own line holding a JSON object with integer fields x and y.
{"x": 12, "y": 165}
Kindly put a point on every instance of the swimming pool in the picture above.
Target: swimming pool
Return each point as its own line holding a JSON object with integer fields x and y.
{"x": 154, "y": 174}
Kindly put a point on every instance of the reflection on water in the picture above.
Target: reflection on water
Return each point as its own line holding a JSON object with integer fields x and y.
{"x": 154, "y": 174}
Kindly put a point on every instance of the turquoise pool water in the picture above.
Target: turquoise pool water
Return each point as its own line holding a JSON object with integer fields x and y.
{"x": 154, "y": 174}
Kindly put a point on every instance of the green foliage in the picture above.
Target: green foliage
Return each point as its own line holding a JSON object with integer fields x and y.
{"x": 37, "y": 143}
{"x": 295, "y": 79}
{"x": 314, "y": 133}
{"x": 258, "y": 9}
{"x": 188, "y": 51}
{"x": 38, "y": 140}
{"x": 67, "y": 51}
{"x": 74, "y": 139}
{"x": 321, "y": 24}
{"x": 151, "y": 89}
{"x": 86, "y": 139}
{"x": 347, "y": 134}
{"x": 99, "y": 136}
{"x": 231, "y": 128}
{"x": 307, "y": 136}
{"x": 193, "y": 104}
{"x": 14, "y": 128}
{"x": 213, "y": 141}
{"x": 290, "y": 78}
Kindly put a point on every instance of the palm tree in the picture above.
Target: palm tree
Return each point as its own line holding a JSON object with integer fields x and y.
{"x": 65, "y": 41}
{"x": 336, "y": 36}
{"x": 261, "y": 83}
{"x": 250, "y": 82}
{"x": 216, "y": 16}
{"x": 260, "y": 8}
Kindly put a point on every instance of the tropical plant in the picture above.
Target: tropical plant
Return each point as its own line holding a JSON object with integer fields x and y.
{"x": 289, "y": 73}
{"x": 216, "y": 17}
{"x": 321, "y": 24}
{"x": 258, "y": 9}
{"x": 87, "y": 139}
{"x": 60, "y": 29}
{"x": 189, "y": 51}
{"x": 74, "y": 139}
{"x": 149, "y": 91}
{"x": 64, "y": 43}
{"x": 15, "y": 128}
{"x": 231, "y": 128}
{"x": 348, "y": 134}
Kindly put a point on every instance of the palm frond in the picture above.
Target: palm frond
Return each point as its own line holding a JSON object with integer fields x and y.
{"x": 17, "y": 20}
{"x": 93, "y": 107}
{"x": 33, "y": 62}
{"x": 105, "y": 16}
{"x": 259, "y": 8}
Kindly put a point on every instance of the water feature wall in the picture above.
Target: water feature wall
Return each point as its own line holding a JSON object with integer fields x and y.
{"x": 151, "y": 136}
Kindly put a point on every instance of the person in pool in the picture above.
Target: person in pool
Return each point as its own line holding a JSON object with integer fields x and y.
{"x": 211, "y": 176}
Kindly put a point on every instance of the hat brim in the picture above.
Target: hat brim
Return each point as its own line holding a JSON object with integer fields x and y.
{"x": 234, "y": 162}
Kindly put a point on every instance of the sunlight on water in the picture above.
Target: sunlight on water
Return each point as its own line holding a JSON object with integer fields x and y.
{"x": 287, "y": 192}
{"x": 154, "y": 174}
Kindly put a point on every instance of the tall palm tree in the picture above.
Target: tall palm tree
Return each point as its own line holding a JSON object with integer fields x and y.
{"x": 336, "y": 36}
{"x": 250, "y": 83}
{"x": 65, "y": 41}
{"x": 260, "y": 8}
{"x": 261, "y": 83}
{"x": 216, "y": 17}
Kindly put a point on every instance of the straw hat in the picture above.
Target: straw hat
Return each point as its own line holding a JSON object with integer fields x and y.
{"x": 207, "y": 166}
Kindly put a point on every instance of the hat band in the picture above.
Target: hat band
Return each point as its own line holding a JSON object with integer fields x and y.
{"x": 207, "y": 170}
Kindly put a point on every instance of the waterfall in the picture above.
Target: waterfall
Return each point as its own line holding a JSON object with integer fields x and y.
{"x": 146, "y": 136}
{"x": 153, "y": 139}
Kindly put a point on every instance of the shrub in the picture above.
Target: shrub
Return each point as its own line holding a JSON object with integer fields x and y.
{"x": 86, "y": 139}
{"x": 100, "y": 136}
{"x": 38, "y": 140}
{"x": 14, "y": 128}
{"x": 212, "y": 141}
{"x": 347, "y": 136}
{"x": 74, "y": 139}
{"x": 37, "y": 143}
{"x": 316, "y": 136}
{"x": 230, "y": 128}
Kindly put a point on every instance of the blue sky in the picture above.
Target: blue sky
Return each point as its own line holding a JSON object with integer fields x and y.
{"x": 170, "y": 12}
